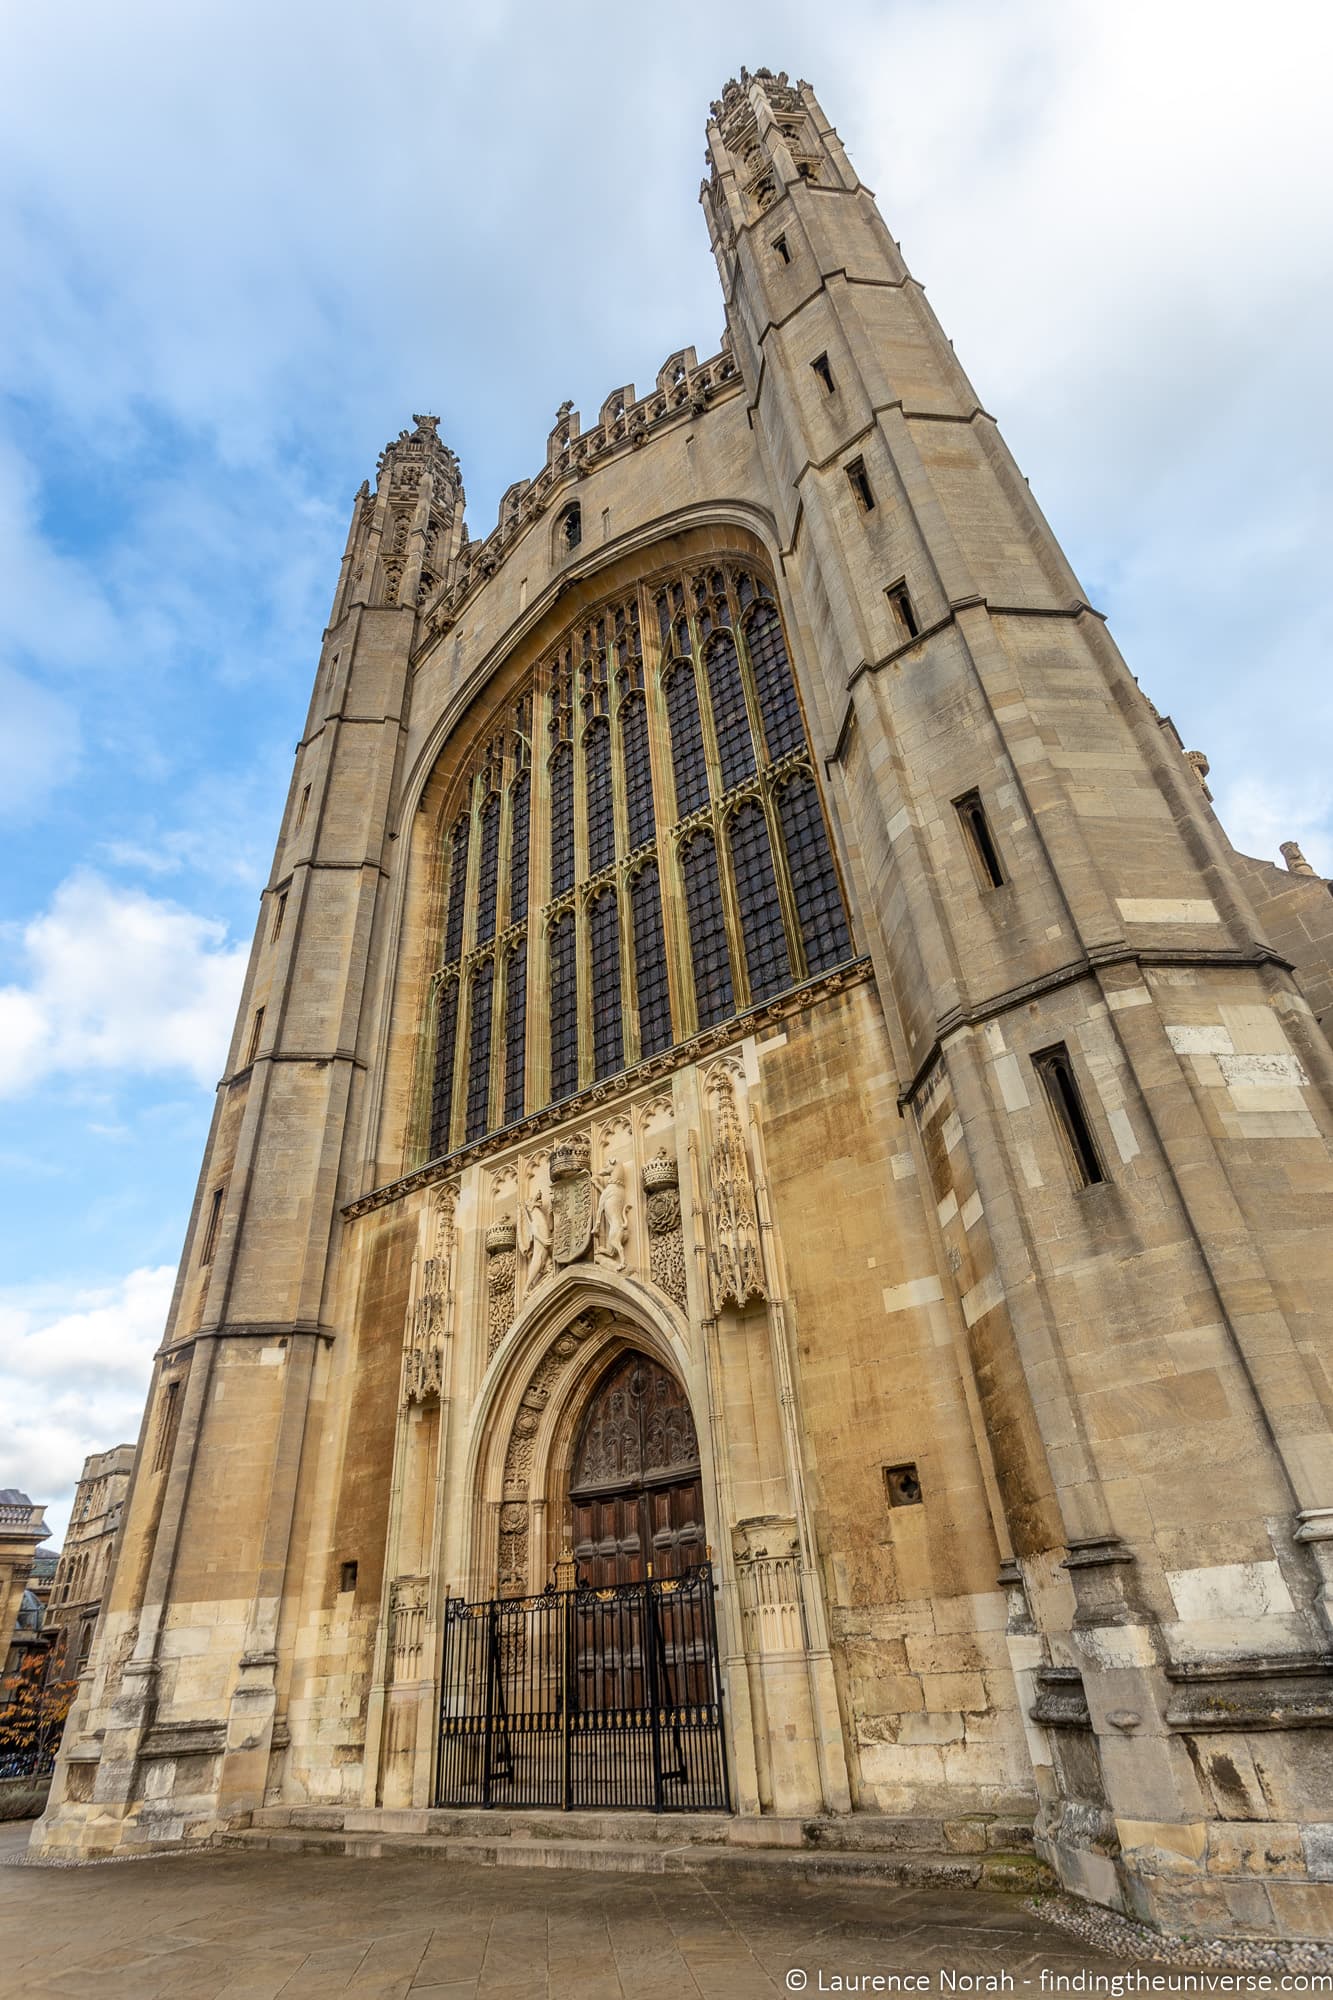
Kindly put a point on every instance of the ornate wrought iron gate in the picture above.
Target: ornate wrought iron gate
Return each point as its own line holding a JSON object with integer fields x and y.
{"x": 586, "y": 1698}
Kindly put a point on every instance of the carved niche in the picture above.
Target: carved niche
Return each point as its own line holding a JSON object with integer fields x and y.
{"x": 514, "y": 1511}
{"x": 735, "y": 1260}
{"x": 430, "y": 1322}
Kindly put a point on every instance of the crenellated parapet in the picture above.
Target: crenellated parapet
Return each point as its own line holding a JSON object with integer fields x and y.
{"x": 685, "y": 388}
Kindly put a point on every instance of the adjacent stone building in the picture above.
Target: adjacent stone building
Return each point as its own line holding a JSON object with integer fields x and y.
{"x": 758, "y": 1065}
{"x": 22, "y": 1530}
{"x": 80, "y": 1578}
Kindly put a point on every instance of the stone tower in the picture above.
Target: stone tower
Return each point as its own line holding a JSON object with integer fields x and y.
{"x": 757, "y": 1053}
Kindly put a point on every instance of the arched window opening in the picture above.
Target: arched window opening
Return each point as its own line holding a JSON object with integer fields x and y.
{"x": 608, "y": 1046}
{"x": 520, "y": 803}
{"x": 453, "y": 929}
{"x": 562, "y": 819}
{"x": 442, "y": 1092}
{"x": 488, "y": 869}
{"x": 516, "y": 1008}
{"x": 766, "y": 963}
{"x": 650, "y": 967}
{"x": 713, "y": 991}
{"x": 564, "y": 1008}
{"x": 479, "y": 1053}
{"x": 638, "y": 770}
{"x": 687, "y": 742}
{"x": 571, "y": 526}
{"x": 597, "y": 781}
{"x": 779, "y": 708}
{"x": 731, "y": 724}
{"x": 814, "y": 879}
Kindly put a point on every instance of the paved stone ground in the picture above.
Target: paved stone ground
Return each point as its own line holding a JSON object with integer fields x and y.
{"x": 232, "y": 1926}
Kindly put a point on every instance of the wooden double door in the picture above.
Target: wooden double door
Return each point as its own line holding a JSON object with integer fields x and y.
{"x": 635, "y": 1493}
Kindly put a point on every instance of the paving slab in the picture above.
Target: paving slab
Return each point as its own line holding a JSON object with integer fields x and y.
{"x": 233, "y": 1925}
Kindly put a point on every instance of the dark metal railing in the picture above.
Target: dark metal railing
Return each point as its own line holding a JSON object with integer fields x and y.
{"x": 588, "y": 1697}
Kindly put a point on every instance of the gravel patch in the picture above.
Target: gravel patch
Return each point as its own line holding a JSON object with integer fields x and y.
{"x": 1123, "y": 1938}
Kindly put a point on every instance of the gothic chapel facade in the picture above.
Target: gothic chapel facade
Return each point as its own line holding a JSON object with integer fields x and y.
{"x": 765, "y": 1101}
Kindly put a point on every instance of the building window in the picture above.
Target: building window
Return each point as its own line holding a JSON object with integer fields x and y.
{"x": 652, "y": 992}
{"x": 900, "y": 604}
{"x": 638, "y": 770}
{"x": 210, "y": 1242}
{"x": 256, "y": 1031}
{"x": 779, "y": 709}
{"x": 755, "y": 904}
{"x": 1063, "y": 1095}
{"x": 562, "y": 819}
{"x": 520, "y": 804}
{"x": 516, "y": 1005}
{"x": 442, "y": 1091}
{"x": 168, "y": 1415}
{"x": 488, "y": 869}
{"x": 814, "y": 879}
{"x": 711, "y": 961}
{"x": 477, "y": 1120}
{"x": 762, "y": 928}
{"x": 608, "y": 1048}
{"x": 980, "y": 844}
{"x": 825, "y": 373}
{"x": 346, "y": 1578}
{"x": 859, "y": 481}
{"x": 564, "y": 1009}
{"x": 687, "y": 742}
{"x": 453, "y": 929}
{"x": 571, "y": 527}
{"x": 301, "y": 809}
{"x": 731, "y": 724}
{"x": 780, "y": 245}
{"x": 279, "y": 915}
{"x": 597, "y": 792}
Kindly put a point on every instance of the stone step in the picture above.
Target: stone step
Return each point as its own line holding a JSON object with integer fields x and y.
{"x": 1018, "y": 1872}
{"x": 976, "y": 1833}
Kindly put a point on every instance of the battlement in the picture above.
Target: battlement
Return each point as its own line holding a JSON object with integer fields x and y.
{"x": 684, "y": 387}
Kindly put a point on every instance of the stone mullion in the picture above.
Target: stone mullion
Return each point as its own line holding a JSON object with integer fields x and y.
{"x": 675, "y": 927}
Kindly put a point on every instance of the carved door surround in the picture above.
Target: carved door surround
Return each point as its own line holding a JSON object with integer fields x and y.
{"x": 635, "y": 1493}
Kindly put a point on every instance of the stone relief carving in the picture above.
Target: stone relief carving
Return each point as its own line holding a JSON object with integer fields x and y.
{"x": 768, "y": 1575}
{"x": 430, "y": 1323}
{"x": 611, "y": 1228}
{"x": 408, "y": 1598}
{"x": 666, "y": 1239}
{"x": 735, "y": 1262}
{"x": 501, "y": 1277}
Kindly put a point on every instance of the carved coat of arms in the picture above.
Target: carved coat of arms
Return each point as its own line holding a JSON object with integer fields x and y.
{"x": 573, "y": 1201}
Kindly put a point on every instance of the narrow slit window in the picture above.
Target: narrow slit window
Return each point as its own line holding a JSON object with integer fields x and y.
{"x": 980, "y": 840}
{"x": 564, "y": 1014}
{"x": 780, "y": 245}
{"x": 516, "y": 1008}
{"x": 571, "y": 526}
{"x": 166, "y": 1424}
{"x": 301, "y": 810}
{"x": 442, "y": 1091}
{"x": 453, "y": 929}
{"x": 900, "y": 603}
{"x": 608, "y": 1048}
{"x": 488, "y": 869}
{"x": 279, "y": 915}
{"x": 859, "y": 482}
{"x": 477, "y": 1118}
{"x": 1066, "y": 1101}
{"x": 256, "y": 1031}
{"x": 210, "y": 1242}
{"x": 825, "y": 373}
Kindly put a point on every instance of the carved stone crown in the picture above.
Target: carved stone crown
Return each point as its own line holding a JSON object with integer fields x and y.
{"x": 570, "y": 1156}
{"x": 501, "y": 1235}
{"x": 660, "y": 1172}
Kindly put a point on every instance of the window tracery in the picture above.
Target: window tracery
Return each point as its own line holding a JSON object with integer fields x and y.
{"x": 702, "y": 725}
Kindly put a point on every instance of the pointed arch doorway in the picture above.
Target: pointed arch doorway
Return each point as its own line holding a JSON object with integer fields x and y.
{"x": 635, "y": 1488}
{"x": 604, "y": 1688}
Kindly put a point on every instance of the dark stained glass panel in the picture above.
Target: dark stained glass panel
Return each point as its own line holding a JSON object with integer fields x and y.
{"x": 650, "y": 966}
{"x": 687, "y": 741}
{"x": 442, "y": 1091}
{"x": 778, "y": 706}
{"x": 516, "y": 1007}
{"x": 713, "y": 992}
{"x": 813, "y": 877}
{"x": 608, "y": 1045}
{"x": 479, "y": 1053}
{"x": 762, "y": 929}
{"x": 453, "y": 928}
{"x": 597, "y": 778}
{"x": 562, "y": 820}
{"x": 638, "y": 770}
{"x": 564, "y": 1008}
{"x": 731, "y": 724}
{"x": 488, "y": 869}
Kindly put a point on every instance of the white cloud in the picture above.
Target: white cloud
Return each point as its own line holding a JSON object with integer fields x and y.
{"x": 39, "y": 743}
{"x": 73, "y": 1376}
{"x": 118, "y": 980}
{"x": 1259, "y": 817}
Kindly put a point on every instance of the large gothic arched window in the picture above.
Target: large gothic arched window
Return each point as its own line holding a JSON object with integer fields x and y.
{"x": 640, "y": 854}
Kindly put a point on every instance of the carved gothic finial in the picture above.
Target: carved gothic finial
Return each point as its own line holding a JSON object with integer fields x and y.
{"x": 430, "y": 1322}
{"x": 1198, "y": 763}
{"x": 1295, "y": 860}
{"x": 735, "y": 1261}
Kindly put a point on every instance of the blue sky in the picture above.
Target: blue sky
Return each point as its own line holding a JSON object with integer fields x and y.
{"x": 240, "y": 245}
